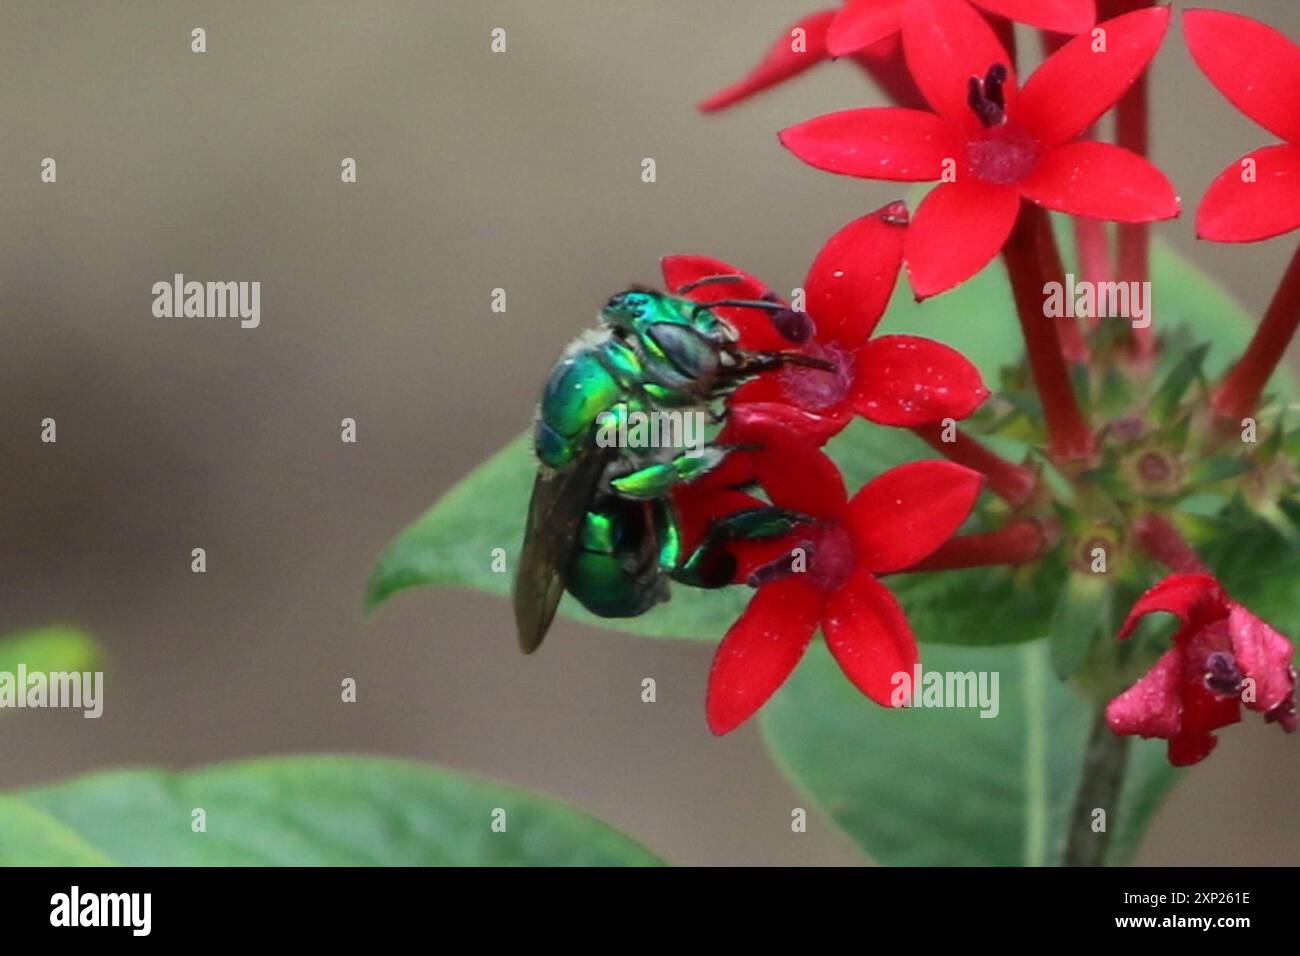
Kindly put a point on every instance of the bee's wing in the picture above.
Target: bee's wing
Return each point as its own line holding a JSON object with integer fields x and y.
{"x": 555, "y": 517}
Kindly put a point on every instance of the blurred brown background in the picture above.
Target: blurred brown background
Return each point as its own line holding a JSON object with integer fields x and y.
{"x": 475, "y": 171}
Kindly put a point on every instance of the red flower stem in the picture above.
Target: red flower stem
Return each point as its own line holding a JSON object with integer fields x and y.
{"x": 1069, "y": 437}
{"x": 1073, "y": 344}
{"x": 1240, "y": 391}
{"x": 1102, "y": 778}
{"x": 1159, "y": 539}
{"x": 1011, "y": 482}
{"x": 1018, "y": 543}
{"x": 1093, "y": 242}
{"x": 1091, "y": 236}
{"x": 1132, "y": 132}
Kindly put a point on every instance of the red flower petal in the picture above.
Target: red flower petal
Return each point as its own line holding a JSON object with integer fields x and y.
{"x": 1059, "y": 16}
{"x": 947, "y": 42}
{"x": 797, "y": 476}
{"x": 1181, "y": 595}
{"x": 874, "y": 143}
{"x": 869, "y": 636}
{"x": 1234, "y": 210}
{"x": 957, "y": 230}
{"x": 1075, "y": 85}
{"x": 862, "y": 24}
{"x": 748, "y": 415}
{"x": 1203, "y": 713}
{"x": 755, "y": 328}
{"x": 905, "y": 514}
{"x": 780, "y": 63}
{"x": 852, "y": 279}
{"x": 1153, "y": 707}
{"x": 759, "y": 651}
{"x": 1101, "y": 181}
{"x": 1254, "y": 66}
{"x": 1264, "y": 655}
{"x": 1192, "y": 748}
{"x": 906, "y": 381}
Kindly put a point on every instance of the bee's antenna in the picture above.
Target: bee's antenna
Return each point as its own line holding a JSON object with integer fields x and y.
{"x": 763, "y": 304}
{"x": 710, "y": 280}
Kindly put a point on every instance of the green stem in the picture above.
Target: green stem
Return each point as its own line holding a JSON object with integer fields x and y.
{"x": 1102, "y": 778}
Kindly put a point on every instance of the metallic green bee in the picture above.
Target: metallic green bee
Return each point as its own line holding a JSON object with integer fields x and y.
{"x": 600, "y": 522}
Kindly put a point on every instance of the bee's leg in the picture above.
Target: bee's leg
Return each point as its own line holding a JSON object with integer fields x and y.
{"x": 711, "y": 565}
{"x": 657, "y": 480}
{"x": 749, "y": 364}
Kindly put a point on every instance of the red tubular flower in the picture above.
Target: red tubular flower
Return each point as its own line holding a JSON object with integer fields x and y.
{"x": 863, "y": 23}
{"x": 895, "y": 521}
{"x": 897, "y": 380}
{"x": 803, "y": 46}
{"x": 993, "y": 143}
{"x": 1222, "y": 656}
{"x": 1258, "y": 70}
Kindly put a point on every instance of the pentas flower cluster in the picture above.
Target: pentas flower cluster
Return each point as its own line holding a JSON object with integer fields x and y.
{"x": 991, "y": 144}
{"x": 1116, "y": 419}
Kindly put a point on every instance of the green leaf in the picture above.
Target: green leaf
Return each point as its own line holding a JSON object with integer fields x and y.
{"x": 923, "y": 787}
{"x": 301, "y": 811}
{"x": 1175, "y": 385}
{"x": 453, "y": 543}
{"x": 49, "y": 649}
{"x": 981, "y": 606}
{"x": 1258, "y": 566}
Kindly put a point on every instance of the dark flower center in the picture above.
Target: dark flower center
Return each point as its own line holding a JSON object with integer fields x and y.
{"x": 1004, "y": 155}
{"x": 986, "y": 97}
{"x": 1222, "y": 675}
{"x": 825, "y": 560}
{"x": 814, "y": 389}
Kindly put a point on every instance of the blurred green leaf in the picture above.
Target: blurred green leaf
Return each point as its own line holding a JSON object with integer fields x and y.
{"x": 302, "y": 811}
{"x": 930, "y": 787}
{"x": 49, "y": 649}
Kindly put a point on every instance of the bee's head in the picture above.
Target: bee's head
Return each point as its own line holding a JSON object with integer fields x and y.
{"x": 625, "y": 309}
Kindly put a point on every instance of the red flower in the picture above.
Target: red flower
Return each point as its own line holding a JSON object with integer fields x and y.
{"x": 993, "y": 143}
{"x": 866, "y": 22}
{"x": 1258, "y": 69}
{"x": 1222, "y": 656}
{"x": 898, "y": 380}
{"x": 799, "y": 49}
{"x": 895, "y": 521}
